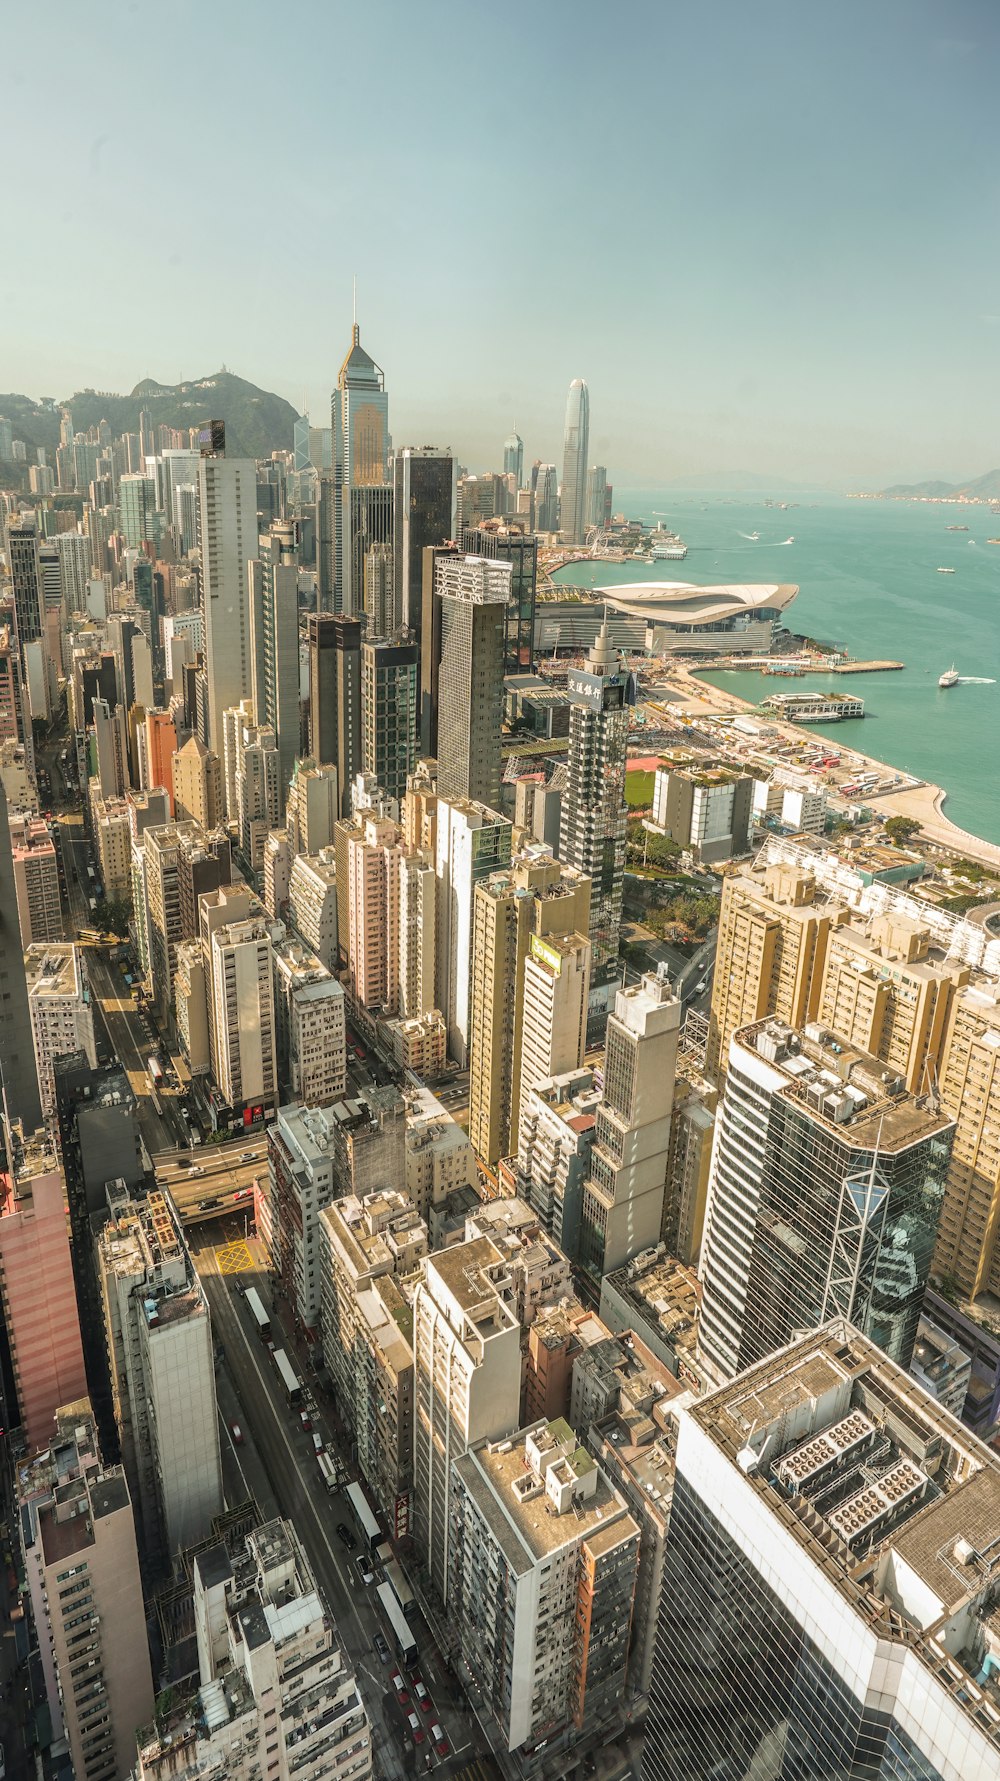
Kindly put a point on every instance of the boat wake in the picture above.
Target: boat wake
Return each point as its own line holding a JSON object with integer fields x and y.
{"x": 751, "y": 537}
{"x": 786, "y": 540}
{"x": 975, "y": 680}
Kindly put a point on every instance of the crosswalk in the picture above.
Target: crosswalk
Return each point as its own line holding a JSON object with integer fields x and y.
{"x": 481, "y": 1768}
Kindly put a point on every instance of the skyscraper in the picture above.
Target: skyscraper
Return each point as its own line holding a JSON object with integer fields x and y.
{"x": 389, "y": 671}
{"x": 274, "y": 618}
{"x": 472, "y": 842}
{"x": 422, "y": 514}
{"x": 510, "y": 541}
{"x": 474, "y": 594}
{"x": 227, "y": 537}
{"x": 513, "y": 457}
{"x": 546, "y": 498}
{"x": 18, "y": 1074}
{"x": 576, "y": 444}
{"x": 24, "y": 563}
{"x": 597, "y": 489}
{"x": 593, "y": 821}
{"x": 360, "y": 419}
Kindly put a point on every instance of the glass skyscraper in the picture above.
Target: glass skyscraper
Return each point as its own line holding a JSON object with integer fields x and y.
{"x": 360, "y": 422}
{"x": 576, "y": 444}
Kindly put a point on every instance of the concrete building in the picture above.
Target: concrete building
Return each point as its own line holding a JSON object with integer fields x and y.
{"x": 826, "y": 1188}
{"x": 439, "y": 1158}
{"x": 511, "y": 541}
{"x": 692, "y": 1133}
{"x": 112, "y": 829}
{"x": 705, "y": 809}
{"x": 539, "y": 1272}
{"x": 159, "y": 1337}
{"x": 274, "y": 620}
{"x": 543, "y": 1559}
{"x": 272, "y": 1675}
{"x": 658, "y": 1298}
{"x": 35, "y": 866}
{"x": 250, "y": 773}
{"x": 277, "y": 875}
{"x": 236, "y": 936}
{"x": 777, "y": 1507}
{"x": 19, "y": 1093}
{"x": 941, "y": 1366}
{"x": 888, "y": 991}
{"x": 968, "y": 1246}
{"x": 390, "y": 680}
{"x": 593, "y": 815}
{"x": 197, "y": 777}
{"x": 61, "y": 1012}
{"x": 373, "y": 861}
{"x": 472, "y": 842}
{"x": 467, "y": 1369}
{"x": 474, "y": 594}
{"x": 82, "y": 1569}
{"x": 37, "y": 1295}
{"x": 558, "y": 1118}
{"x": 313, "y": 806}
{"x": 312, "y": 903}
{"x": 301, "y": 1182}
{"x": 181, "y": 863}
{"x": 312, "y": 1042}
{"x": 417, "y": 935}
{"x": 227, "y": 539}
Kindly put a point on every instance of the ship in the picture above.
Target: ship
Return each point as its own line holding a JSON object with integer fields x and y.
{"x": 956, "y": 528}
{"x": 945, "y": 571}
{"x": 949, "y": 677}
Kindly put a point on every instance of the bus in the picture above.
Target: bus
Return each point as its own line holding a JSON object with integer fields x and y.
{"x": 401, "y": 1589}
{"x": 327, "y": 1471}
{"x": 288, "y": 1378}
{"x": 362, "y": 1512}
{"x": 402, "y": 1633}
{"x": 155, "y": 1069}
{"x": 257, "y": 1312}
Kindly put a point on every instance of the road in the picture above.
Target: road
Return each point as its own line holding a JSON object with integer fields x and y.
{"x": 275, "y": 1462}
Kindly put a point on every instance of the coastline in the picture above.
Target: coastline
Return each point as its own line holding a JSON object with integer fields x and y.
{"x": 924, "y": 803}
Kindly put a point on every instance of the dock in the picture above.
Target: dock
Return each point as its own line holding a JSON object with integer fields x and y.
{"x": 790, "y": 667}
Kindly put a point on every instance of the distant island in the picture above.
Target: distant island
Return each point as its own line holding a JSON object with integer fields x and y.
{"x": 985, "y": 488}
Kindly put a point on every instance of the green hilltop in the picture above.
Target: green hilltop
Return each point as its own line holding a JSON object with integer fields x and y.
{"x": 257, "y": 421}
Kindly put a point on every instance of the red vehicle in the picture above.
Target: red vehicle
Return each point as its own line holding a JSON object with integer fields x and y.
{"x": 237, "y": 1434}
{"x": 423, "y": 1699}
{"x": 402, "y": 1692}
{"x": 439, "y": 1740}
{"x": 416, "y": 1730}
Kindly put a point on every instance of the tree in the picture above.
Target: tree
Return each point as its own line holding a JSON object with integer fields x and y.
{"x": 901, "y": 829}
{"x": 115, "y": 914}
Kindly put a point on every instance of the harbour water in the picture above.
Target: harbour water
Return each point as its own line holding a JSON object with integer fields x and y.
{"x": 867, "y": 573}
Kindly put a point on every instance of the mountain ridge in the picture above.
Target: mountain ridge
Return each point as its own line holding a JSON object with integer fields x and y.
{"x": 982, "y": 488}
{"x": 258, "y": 421}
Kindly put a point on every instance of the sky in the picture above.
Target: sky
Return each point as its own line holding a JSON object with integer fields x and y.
{"x": 766, "y": 234}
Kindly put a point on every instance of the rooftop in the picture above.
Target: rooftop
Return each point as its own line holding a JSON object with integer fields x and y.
{"x": 53, "y": 970}
{"x": 665, "y": 1294}
{"x": 551, "y": 1492}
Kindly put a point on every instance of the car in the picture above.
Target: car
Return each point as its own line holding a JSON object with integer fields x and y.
{"x": 237, "y": 1434}
{"x": 367, "y": 1574}
{"x": 306, "y": 1421}
{"x": 415, "y": 1728}
{"x": 439, "y": 1740}
{"x": 344, "y": 1534}
{"x": 421, "y": 1696}
{"x": 196, "y": 1169}
{"x": 402, "y": 1692}
{"x": 319, "y": 1445}
{"x": 248, "y": 1156}
{"x": 381, "y": 1648}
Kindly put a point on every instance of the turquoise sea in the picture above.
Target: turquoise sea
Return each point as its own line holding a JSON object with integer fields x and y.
{"x": 867, "y": 574}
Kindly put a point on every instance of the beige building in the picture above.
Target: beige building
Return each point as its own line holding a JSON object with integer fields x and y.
{"x": 968, "y": 1245}
{"x": 191, "y": 1006}
{"x": 113, "y": 837}
{"x": 312, "y": 902}
{"x": 61, "y": 1010}
{"x": 692, "y": 1130}
{"x": 180, "y": 863}
{"x": 312, "y": 807}
{"x": 36, "y": 879}
{"x": 373, "y": 862}
{"x": 236, "y": 935}
{"x": 554, "y": 1010}
{"x": 198, "y": 784}
{"x": 439, "y": 1157}
{"x": 420, "y": 1043}
{"x": 417, "y": 936}
{"x": 889, "y": 992}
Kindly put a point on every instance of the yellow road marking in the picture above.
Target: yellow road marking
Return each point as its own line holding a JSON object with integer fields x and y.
{"x": 233, "y": 1258}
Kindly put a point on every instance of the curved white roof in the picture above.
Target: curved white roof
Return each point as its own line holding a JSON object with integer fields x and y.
{"x": 662, "y": 601}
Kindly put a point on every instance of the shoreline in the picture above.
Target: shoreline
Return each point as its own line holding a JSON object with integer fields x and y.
{"x": 923, "y": 803}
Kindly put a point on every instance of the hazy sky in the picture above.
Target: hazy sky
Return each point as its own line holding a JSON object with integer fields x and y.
{"x": 765, "y": 233}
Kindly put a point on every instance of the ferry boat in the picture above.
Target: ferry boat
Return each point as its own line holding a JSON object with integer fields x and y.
{"x": 956, "y": 528}
{"x": 945, "y": 571}
{"x": 674, "y": 551}
{"x": 949, "y": 677}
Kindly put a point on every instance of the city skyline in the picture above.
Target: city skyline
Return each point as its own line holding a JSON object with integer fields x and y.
{"x": 786, "y": 346}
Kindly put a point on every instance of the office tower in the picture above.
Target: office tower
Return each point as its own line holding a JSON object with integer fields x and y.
{"x": 312, "y": 904}
{"x": 378, "y": 599}
{"x": 147, "y": 440}
{"x": 360, "y": 420}
{"x": 423, "y": 512}
{"x": 161, "y": 752}
{"x": 513, "y": 457}
{"x": 821, "y": 1560}
{"x": 546, "y": 498}
{"x": 774, "y": 929}
{"x": 576, "y": 445}
{"x": 543, "y": 1568}
{"x": 335, "y": 696}
{"x": 554, "y": 1010}
{"x": 227, "y": 539}
{"x": 182, "y": 863}
{"x": 886, "y": 990}
{"x": 417, "y": 935}
{"x": 692, "y": 1134}
{"x": 516, "y": 913}
{"x": 301, "y": 458}
{"x": 111, "y": 748}
{"x": 622, "y": 1208}
{"x": 472, "y": 842}
{"x": 197, "y": 782}
{"x": 82, "y": 1567}
{"x": 159, "y": 1337}
{"x": 236, "y": 939}
{"x": 554, "y": 1138}
{"x": 34, "y": 867}
{"x": 367, "y": 1246}
{"x": 313, "y": 807}
{"x": 593, "y": 821}
{"x": 474, "y": 594}
{"x": 510, "y": 542}
{"x": 61, "y": 1012}
{"x": 37, "y": 1294}
{"x": 312, "y": 1042}
{"x": 137, "y": 507}
{"x": 24, "y": 564}
{"x": 269, "y": 1649}
{"x": 705, "y": 809}
{"x": 250, "y": 778}
{"x": 373, "y": 865}
{"x": 178, "y": 469}
{"x": 968, "y": 1247}
{"x": 467, "y": 1368}
{"x": 430, "y": 645}
{"x": 6, "y": 440}
{"x": 389, "y": 700}
{"x": 824, "y": 1197}
{"x": 274, "y": 621}
{"x": 597, "y": 489}
{"x": 76, "y": 561}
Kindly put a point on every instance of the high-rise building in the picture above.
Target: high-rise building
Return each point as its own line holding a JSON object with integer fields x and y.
{"x": 82, "y": 1566}
{"x": 137, "y": 507}
{"x": 270, "y": 1656}
{"x": 430, "y": 646}
{"x": 555, "y": 1133}
{"x": 41, "y": 1321}
{"x": 378, "y": 601}
{"x": 705, "y": 809}
{"x": 886, "y": 990}
{"x": 622, "y": 1208}
{"x": 313, "y": 807}
{"x": 236, "y": 939}
{"x": 159, "y": 1339}
{"x": 543, "y": 1557}
{"x": 467, "y": 1369}
{"x": 472, "y": 842}
{"x": 335, "y": 697}
{"x": 423, "y": 515}
{"x": 197, "y": 785}
{"x": 24, "y": 564}
{"x": 516, "y": 914}
{"x": 227, "y": 539}
{"x": 274, "y": 619}
{"x": 509, "y": 541}
{"x": 825, "y": 1192}
{"x": 474, "y": 593}
{"x": 576, "y": 446}
{"x": 825, "y": 1608}
{"x": 321, "y": 638}
{"x": 968, "y": 1248}
{"x": 312, "y": 903}
{"x": 61, "y": 1012}
{"x": 373, "y": 915}
{"x": 390, "y": 696}
{"x": 181, "y": 863}
{"x": 360, "y": 419}
{"x": 417, "y": 935}
{"x": 251, "y": 766}
{"x": 546, "y": 486}
{"x": 593, "y": 816}
{"x": 35, "y": 871}
{"x": 513, "y": 456}
{"x": 597, "y": 492}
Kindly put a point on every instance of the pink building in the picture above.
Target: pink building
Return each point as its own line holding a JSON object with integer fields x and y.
{"x": 161, "y": 746}
{"x": 39, "y": 1298}
{"x": 373, "y": 914}
{"x": 10, "y": 708}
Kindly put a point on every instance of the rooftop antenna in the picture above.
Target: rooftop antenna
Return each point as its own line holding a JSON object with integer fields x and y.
{"x": 354, "y": 317}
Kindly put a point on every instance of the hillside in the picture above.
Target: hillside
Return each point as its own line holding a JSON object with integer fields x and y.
{"x": 984, "y": 488}
{"x": 257, "y": 421}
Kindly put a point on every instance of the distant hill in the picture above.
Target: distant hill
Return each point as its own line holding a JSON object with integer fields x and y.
{"x": 257, "y": 421}
{"x": 985, "y": 488}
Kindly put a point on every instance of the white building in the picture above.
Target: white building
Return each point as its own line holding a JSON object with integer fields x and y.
{"x": 312, "y": 903}
{"x": 472, "y": 842}
{"x": 61, "y": 1010}
{"x": 554, "y": 1015}
{"x": 236, "y": 934}
{"x": 556, "y": 1130}
{"x": 301, "y": 1182}
{"x": 317, "y": 1042}
{"x": 227, "y": 539}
